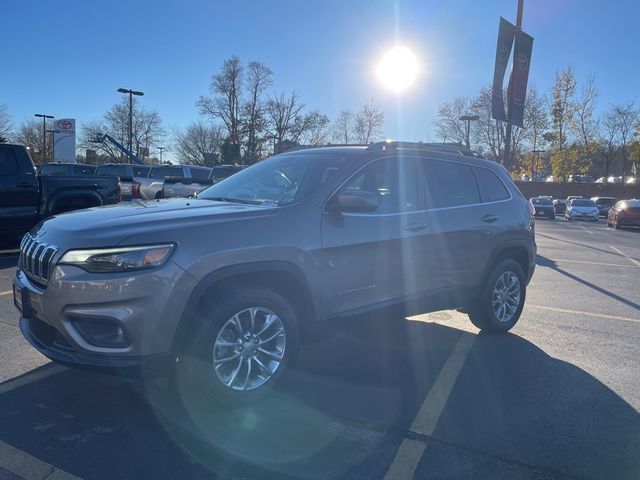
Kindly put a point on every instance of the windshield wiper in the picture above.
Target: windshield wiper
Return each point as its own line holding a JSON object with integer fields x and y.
{"x": 233, "y": 200}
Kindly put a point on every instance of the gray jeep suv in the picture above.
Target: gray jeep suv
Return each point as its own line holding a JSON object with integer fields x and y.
{"x": 221, "y": 289}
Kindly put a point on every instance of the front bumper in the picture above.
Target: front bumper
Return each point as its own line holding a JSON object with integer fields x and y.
{"x": 58, "y": 319}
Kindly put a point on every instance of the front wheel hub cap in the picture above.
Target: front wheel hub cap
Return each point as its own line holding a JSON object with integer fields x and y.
{"x": 249, "y": 349}
{"x": 506, "y": 297}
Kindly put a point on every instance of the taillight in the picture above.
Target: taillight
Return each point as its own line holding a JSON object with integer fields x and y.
{"x": 135, "y": 190}
{"x": 119, "y": 189}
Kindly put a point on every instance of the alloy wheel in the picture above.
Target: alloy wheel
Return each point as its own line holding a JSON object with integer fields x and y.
{"x": 506, "y": 296}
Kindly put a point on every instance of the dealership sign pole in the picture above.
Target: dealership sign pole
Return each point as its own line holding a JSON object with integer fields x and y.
{"x": 64, "y": 140}
{"x": 517, "y": 89}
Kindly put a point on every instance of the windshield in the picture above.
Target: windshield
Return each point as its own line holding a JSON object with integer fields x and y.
{"x": 607, "y": 202}
{"x": 279, "y": 180}
{"x": 541, "y": 201}
{"x": 583, "y": 203}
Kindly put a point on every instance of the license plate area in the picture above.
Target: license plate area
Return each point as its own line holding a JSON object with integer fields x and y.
{"x": 21, "y": 299}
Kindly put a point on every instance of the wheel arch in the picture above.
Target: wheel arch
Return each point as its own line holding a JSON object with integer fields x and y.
{"x": 516, "y": 251}
{"x": 285, "y": 278}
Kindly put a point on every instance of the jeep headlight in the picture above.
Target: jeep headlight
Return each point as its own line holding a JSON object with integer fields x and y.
{"x": 120, "y": 259}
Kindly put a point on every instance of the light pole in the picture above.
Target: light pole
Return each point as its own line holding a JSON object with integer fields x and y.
{"x": 131, "y": 94}
{"x": 161, "y": 150}
{"x": 468, "y": 119}
{"x": 534, "y": 162}
{"x": 44, "y": 134}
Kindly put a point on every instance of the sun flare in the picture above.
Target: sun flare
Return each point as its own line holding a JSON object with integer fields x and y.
{"x": 398, "y": 69}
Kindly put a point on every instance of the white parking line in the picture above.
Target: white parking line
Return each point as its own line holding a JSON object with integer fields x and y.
{"x": 408, "y": 455}
{"x": 586, "y": 229}
{"x": 620, "y": 252}
{"x": 564, "y": 260}
{"x": 14, "y": 250}
{"x": 8, "y": 292}
{"x": 588, "y": 314}
{"x": 29, "y": 467}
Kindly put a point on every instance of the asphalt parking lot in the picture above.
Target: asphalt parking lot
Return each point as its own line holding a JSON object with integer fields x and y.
{"x": 392, "y": 398}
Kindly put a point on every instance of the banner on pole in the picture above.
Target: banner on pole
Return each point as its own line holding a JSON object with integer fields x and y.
{"x": 506, "y": 33}
{"x": 64, "y": 140}
{"x": 517, "y": 92}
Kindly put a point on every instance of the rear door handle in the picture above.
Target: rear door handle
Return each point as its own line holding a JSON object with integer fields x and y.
{"x": 489, "y": 218}
{"x": 25, "y": 185}
{"x": 415, "y": 227}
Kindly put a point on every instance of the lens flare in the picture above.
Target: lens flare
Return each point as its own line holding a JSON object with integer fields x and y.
{"x": 398, "y": 69}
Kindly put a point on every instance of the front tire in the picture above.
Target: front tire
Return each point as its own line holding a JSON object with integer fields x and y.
{"x": 239, "y": 349}
{"x": 616, "y": 223}
{"x": 501, "y": 300}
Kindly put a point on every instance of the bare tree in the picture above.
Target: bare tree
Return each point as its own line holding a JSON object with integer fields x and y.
{"x": 626, "y": 118}
{"x": 343, "y": 127}
{"x": 199, "y": 144}
{"x": 224, "y": 104}
{"x": 29, "y": 134}
{"x": 254, "y": 123}
{"x": 369, "y": 123}
{"x": 6, "y": 125}
{"x": 562, "y": 115}
{"x": 284, "y": 114}
{"x": 316, "y": 129}
{"x": 448, "y": 125}
{"x": 608, "y": 141}
{"x": 584, "y": 123}
{"x": 147, "y": 129}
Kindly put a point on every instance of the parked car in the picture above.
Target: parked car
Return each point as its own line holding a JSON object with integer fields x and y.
{"x": 26, "y": 198}
{"x": 604, "y": 204}
{"x": 66, "y": 169}
{"x": 572, "y": 197}
{"x": 560, "y": 206}
{"x": 614, "y": 179}
{"x": 631, "y": 180}
{"x": 625, "y": 213}
{"x": 543, "y": 207}
{"x": 584, "y": 208}
{"x": 601, "y": 180}
{"x": 188, "y": 187}
{"x": 231, "y": 282}
{"x": 151, "y": 187}
{"x": 581, "y": 179}
{"x": 130, "y": 177}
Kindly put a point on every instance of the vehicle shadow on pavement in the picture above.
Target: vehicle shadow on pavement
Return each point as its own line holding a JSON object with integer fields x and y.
{"x": 514, "y": 412}
{"x": 547, "y": 262}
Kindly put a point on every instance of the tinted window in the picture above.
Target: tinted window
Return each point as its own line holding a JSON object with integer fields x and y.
{"x": 449, "y": 184}
{"x": 224, "y": 172}
{"x": 541, "y": 201}
{"x": 201, "y": 173}
{"x": 168, "y": 171}
{"x": 140, "y": 170}
{"x": 8, "y": 162}
{"x": 83, "y": 170}
{"x": 393, "y": 182}
{"x": 54, "y": 169}
{"x": 606, "y": 202}
{"x": 116, "y": 170}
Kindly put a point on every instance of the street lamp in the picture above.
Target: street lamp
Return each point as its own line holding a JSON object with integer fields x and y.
{"x": 131, "y": 93}
{"x": 161, "y": 150}
{"x": 44, "y": 134}
{"x": 468, "y": 119}
{"x": 534, "y": 161}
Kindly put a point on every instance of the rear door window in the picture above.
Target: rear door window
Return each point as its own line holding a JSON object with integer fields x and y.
{"x": 200, "y": 173}
{"x": 449, "y": 184}
{"x": 492, "y": 189}
{"x": 161, "y": 172}
{"x": 8, "y": 162}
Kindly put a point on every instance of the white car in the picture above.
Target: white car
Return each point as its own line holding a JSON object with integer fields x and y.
{"x": 581, "y": 208}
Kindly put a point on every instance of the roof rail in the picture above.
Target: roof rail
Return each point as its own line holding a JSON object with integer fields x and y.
{"x": 452, "y": 148}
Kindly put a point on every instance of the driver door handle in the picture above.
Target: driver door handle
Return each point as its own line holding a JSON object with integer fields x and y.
{"x": 489, "y": 218}
{"x": 415, "y": 227}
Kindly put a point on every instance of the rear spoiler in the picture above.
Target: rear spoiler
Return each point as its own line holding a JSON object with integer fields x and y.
{"x": 188, "y": 181}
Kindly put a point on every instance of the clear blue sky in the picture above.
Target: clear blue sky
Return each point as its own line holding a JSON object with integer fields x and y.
{"x": 68, "y": 58}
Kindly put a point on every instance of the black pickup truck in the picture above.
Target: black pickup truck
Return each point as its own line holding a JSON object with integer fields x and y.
{"x": 26, "y": 198}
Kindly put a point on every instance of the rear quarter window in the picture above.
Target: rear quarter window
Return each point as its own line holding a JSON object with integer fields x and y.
{"x": 449, "y": 184}
{"x": 491, "y": 187}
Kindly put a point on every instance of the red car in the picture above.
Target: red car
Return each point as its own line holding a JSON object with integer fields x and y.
{"x": 624, "y": 213}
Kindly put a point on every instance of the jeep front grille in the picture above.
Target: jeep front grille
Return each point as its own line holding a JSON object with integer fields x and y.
{"x": 35, "y": 258}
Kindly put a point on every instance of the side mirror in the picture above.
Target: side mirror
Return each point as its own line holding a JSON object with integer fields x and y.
{"x": 360, "y": 202}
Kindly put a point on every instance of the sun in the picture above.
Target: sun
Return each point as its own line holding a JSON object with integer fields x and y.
{"x": 398, "y": 69}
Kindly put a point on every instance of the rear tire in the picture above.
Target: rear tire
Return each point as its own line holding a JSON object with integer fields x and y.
{"x": 501, "y": 299}
{"x": 616, "y": 224}
{"x": 239, "y": 349}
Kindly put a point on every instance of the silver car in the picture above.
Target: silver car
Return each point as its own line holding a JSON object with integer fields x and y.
{"x": 218, "y": 291}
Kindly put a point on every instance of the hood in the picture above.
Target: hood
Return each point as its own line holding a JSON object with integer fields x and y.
{"x": 109, "y": 225}
{"x": 583, "y": 209}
